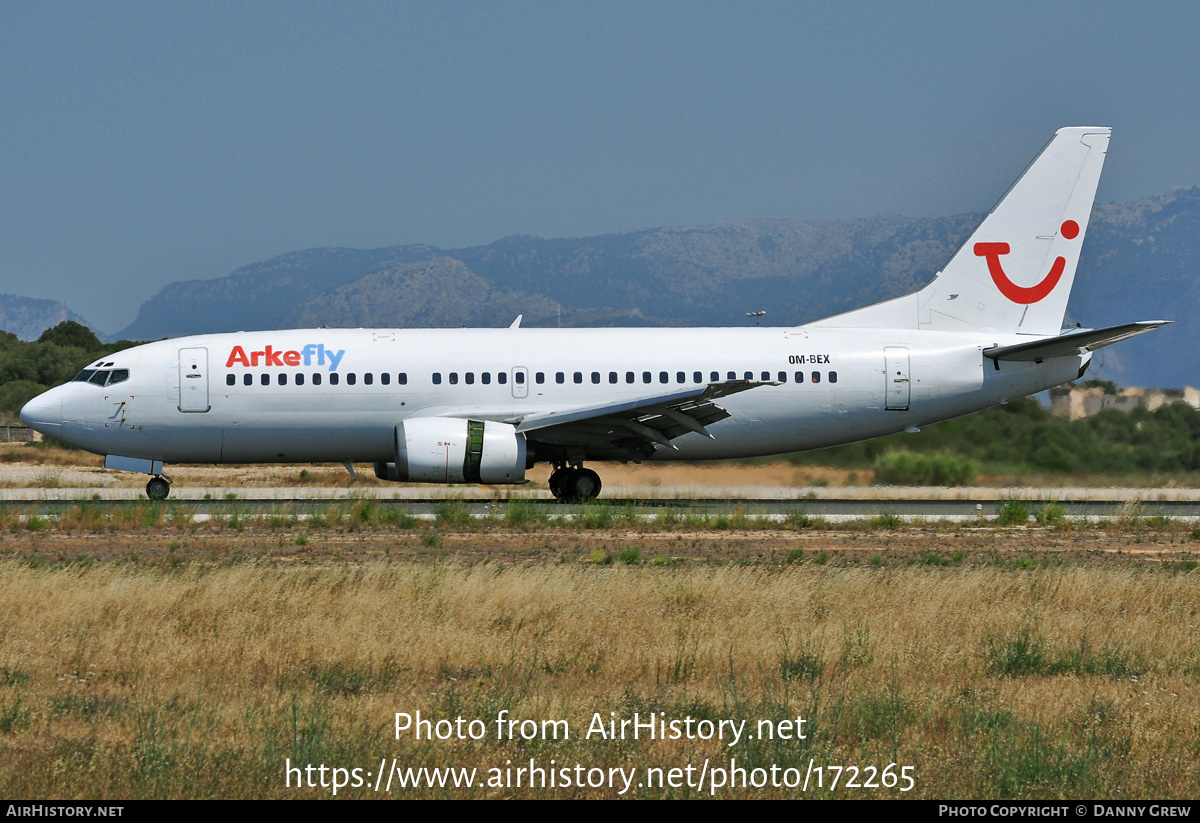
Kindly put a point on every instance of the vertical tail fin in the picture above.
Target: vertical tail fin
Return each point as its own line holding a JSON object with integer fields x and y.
{"x": 1014, "y": 273}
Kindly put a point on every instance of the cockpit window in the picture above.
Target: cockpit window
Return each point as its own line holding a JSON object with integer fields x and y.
{"x": 102, "y": 377}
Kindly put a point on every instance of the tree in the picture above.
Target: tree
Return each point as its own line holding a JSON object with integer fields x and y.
{"x": 68, "y": 333}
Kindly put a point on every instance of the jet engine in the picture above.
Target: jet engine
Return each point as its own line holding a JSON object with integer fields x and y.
{"x": 452, "y": 450}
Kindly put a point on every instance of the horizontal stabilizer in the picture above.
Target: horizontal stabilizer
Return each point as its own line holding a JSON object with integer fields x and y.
{"x": 1072, "y": 343}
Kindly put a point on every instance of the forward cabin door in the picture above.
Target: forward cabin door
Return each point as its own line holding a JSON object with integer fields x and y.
{"x": 898, "y": 387}
{"x": 193, "y": 380}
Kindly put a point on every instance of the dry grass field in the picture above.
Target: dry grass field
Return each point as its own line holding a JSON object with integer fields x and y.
{"x": 146, "y": 654}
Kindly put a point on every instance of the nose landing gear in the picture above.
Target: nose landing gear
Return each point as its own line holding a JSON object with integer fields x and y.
{"x": 158, "y": 488}
{"x": 574, "y": 484}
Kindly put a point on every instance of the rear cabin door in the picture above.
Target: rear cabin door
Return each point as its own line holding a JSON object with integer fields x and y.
{"x": 898, "y": 387}
{"x": 193, "y": 380}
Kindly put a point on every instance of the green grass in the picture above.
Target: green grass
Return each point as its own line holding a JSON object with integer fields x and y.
{"x": 595, "y": 515}
{"x": 1052, "y": 514}
{"x": 630, "y": 556}
{"x": 1027, "y": 654}
{"x": 889, "y": 521}
{"x": 1012, "y": 512}
{"x": 454, "y": 514}
{"x": 520, "y": 513}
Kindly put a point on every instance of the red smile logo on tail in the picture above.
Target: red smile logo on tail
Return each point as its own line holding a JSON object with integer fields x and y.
{"x": 1022, "y": 294}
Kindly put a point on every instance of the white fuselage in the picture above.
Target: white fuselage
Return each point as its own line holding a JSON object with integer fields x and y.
{"x": 255, "y": 396}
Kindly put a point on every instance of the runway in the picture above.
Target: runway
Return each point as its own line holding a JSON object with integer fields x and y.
{"x": 942, "y": 504}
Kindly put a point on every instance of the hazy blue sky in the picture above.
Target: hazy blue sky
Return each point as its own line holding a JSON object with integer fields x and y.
{"x": 142, "y": 143}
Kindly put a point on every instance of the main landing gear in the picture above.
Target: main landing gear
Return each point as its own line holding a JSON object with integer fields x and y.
{"x": 574, "y": 484}
{"x": 158, "y": 488}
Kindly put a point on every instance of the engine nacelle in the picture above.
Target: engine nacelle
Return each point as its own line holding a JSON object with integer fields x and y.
{"x": 451, "y": 450}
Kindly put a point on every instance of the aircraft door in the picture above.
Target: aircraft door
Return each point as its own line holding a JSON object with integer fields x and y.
{"x": 898, "y": 387}
{"x": 520, "y": 382}
{"x": 193, "y": 380}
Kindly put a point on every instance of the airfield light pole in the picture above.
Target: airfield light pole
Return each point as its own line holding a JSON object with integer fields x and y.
{"x": 757, "y": 315}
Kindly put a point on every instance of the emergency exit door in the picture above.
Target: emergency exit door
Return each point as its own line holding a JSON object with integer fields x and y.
{"x": 520, "y": 384}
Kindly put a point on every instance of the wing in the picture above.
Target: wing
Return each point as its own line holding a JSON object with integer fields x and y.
{"x": 630, "y": 429}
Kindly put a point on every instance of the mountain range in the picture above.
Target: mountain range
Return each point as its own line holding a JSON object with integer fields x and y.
{"x": 1139, "y": 263}
{"x": 28, "y": 317}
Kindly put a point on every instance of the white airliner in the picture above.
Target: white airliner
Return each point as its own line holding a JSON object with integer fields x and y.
{"x": 485, "y": 405}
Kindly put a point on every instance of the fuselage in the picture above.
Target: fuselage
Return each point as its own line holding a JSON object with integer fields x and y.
{"x": 321, "y": 395}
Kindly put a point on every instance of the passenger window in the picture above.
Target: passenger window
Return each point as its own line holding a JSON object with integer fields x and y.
{"x": 333, "y": 378}
{"x": 799, "y": 377}
{"x": 697, "y": 377}
{"x": 368, "y": 378}
{"x": 595, "y": 377}
{"x": 248, "y": 379}
{"x": 501, "y": 378}
{"x": 486, "y": 378}
{"x": 680, "y": 377}
{"x": 265, "y": 379}
{"x": 663, "y": 377}
{"x": 714, "y": 377}
{"x": 749, "y": 375}
{"x": 783, "y": 377}
{"x": 470, "y": 378}
{"x": 316, "y": 379}
{"x": 540, "y": 377}
{"x": 351, "y": 378}
{"x": 766, "y": 377}
{"x": 612, "y": 377}
{"x": 559, "y": 377}
{"x": 282, "y": 379}
{"x": 645, "y": 377}
{"x": 402, "y": 378}
{"x": 300, "y": 379}
{"x": 578, "y": 377}
{"x": 629, "y": 377}
{"x": 816, "y": 377}
{"x": 519, "y": 378}
{"x": 230, "y": 379}
{"x": 385, "y": 379}
{"x": 731, "y": 375}
{"x": 453, "y": 378}
{"x": 833, "y": 377}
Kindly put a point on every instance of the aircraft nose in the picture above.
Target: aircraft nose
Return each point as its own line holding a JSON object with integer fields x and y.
{"x": 44, "y": 413}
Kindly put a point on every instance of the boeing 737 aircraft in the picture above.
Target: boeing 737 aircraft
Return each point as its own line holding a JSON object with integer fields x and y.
{"x": 485, "y": 405}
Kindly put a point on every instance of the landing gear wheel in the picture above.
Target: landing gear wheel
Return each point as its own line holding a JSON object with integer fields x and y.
{"x": 158, "y": 488}
{"x": 559, "y": 481}
{"x": 584, "y": 485}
